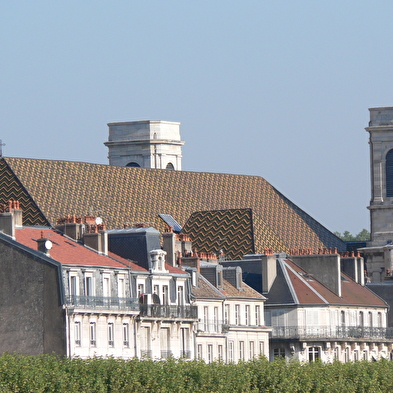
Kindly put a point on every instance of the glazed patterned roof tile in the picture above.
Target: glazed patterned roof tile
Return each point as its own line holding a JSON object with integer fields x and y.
{"x": 48, "y": 190}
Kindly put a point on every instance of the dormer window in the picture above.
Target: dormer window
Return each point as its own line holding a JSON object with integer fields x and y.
{"x": 239, "y": 280}
{"x": 219, "y": 278}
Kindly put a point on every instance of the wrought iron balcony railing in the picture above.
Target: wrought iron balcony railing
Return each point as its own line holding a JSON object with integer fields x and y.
{"x": 211, "y": 326}
{"x": 332, "y": 332}
{"x": 159, "y": 311}
{"x": 100, "y": 302}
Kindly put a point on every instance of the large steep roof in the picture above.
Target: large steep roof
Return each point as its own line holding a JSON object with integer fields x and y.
{"x": 49, "y": 189}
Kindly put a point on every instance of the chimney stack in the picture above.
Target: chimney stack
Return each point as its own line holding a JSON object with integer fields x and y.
{"x": 10, "y": 218}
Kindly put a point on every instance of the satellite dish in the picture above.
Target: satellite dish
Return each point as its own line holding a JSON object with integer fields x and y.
{"x": 98, "y": 220}
{"x": 48, "y": 244}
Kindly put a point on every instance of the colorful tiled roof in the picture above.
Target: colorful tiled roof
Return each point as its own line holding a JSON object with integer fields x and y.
{"x": 48, "y": 190}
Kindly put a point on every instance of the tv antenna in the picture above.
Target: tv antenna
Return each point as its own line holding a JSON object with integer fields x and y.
{"x": 1, "y": 148}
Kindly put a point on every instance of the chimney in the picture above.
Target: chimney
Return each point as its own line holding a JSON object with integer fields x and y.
{"x": 11, "y": 218}
{"x": 169, "y": 245}
{"x": 71, "y": 226}
{"x": 44, "y": 245}
{"x": 96, "y": 236}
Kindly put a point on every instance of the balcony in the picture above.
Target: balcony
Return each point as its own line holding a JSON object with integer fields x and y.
{"x": 171, "y": 312}
{"x": 350, "y": 333}
{"x": 101, "y": 303}
{"x": 211, "y": 326}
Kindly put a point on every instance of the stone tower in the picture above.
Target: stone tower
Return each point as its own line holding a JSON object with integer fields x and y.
{"x": 145, "y": 144}
{"x": 379, "y": 251}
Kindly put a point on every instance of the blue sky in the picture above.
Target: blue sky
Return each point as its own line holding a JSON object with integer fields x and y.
{"x": 278, "y": 89}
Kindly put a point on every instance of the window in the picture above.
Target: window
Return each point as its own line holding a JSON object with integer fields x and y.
{"x": 74, "y": 285}
{"x": 105, "y": 287}
{"x": 361, "y": 319}
{"x": 261, "y": 348}
{"x": 219, "y": 278}
{"x": 365, "y": 355}
{"x": 220, "y": 352}
{"x": 77, "y": 333}
{"x": 92, "y": 334}
{"x": 230, "y": 351}
{"x": 379, "y": 319}
{"x": 126, "y": 335}
{"x": 180, "y": 297}
{"x": 215, "y": 315}
{"x": 226, "y": 314}
{"x": 346, "y": 355}
{"x": 200, "y": 354}
{"x": 120, "y": 287}
{"x": 237, "y": 314}
{"x": 370, "y": 319}
{"x": 355, "y": 355}
{"x": 205, "y": 318}
{"x": 247, "y": 315}
{"x": 111, "y": 341}
{"x": 252, "y": 351}
{"x": 165, "y": 295}
{"x": 389, "y": 173}
{"x": 342, "y": 318}
{"x": 337, "y": 353}
{"x": 89, "y": 289}
{"x": 156, "y": 290}
{"x": 209, "y": 353}
{"x": 279, "y": 352}
{"x": 241, "y": 350}
{"x": 141, "y": 290}
{"x": 257, "y": 315}
{"x": 313, "y": 354}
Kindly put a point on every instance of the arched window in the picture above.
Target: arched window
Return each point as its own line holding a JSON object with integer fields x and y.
{"x": 389, "y": 173}
{"x": 133, "y": 165}
{"x": 170, "y": 166}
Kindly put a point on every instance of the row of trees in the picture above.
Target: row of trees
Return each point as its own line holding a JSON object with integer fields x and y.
{"x": 363, "y": 235}
{"x": 53, "y": 374}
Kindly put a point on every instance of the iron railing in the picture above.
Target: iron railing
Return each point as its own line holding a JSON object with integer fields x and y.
{"x": 158, "y": 311}
{"x": 101, "y": 302}
{"x": 211, "y": 326}
{"x": 331, "y": 332}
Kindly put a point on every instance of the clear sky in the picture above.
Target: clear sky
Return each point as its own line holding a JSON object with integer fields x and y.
{"x": 278, "y": 89}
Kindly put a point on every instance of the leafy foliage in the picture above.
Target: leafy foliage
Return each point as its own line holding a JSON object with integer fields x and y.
{"x": 363, "y": 235}
{"x": 47, "y": 373}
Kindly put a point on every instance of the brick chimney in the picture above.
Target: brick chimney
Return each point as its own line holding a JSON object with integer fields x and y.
{"x": 72, "y": 226}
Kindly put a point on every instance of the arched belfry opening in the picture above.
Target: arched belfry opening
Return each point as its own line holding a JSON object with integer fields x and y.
{"x": 147, "y": 144}
{"x": 389, "y": 173}
{"x": 133, "y": 165}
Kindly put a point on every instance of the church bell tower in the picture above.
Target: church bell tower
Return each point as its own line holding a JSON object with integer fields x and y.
{"x": 145, "y": 144}
{"x": 379, "y": 251}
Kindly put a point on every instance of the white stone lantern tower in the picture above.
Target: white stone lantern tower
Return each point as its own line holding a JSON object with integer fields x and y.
{"x": 145, "y": 144}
